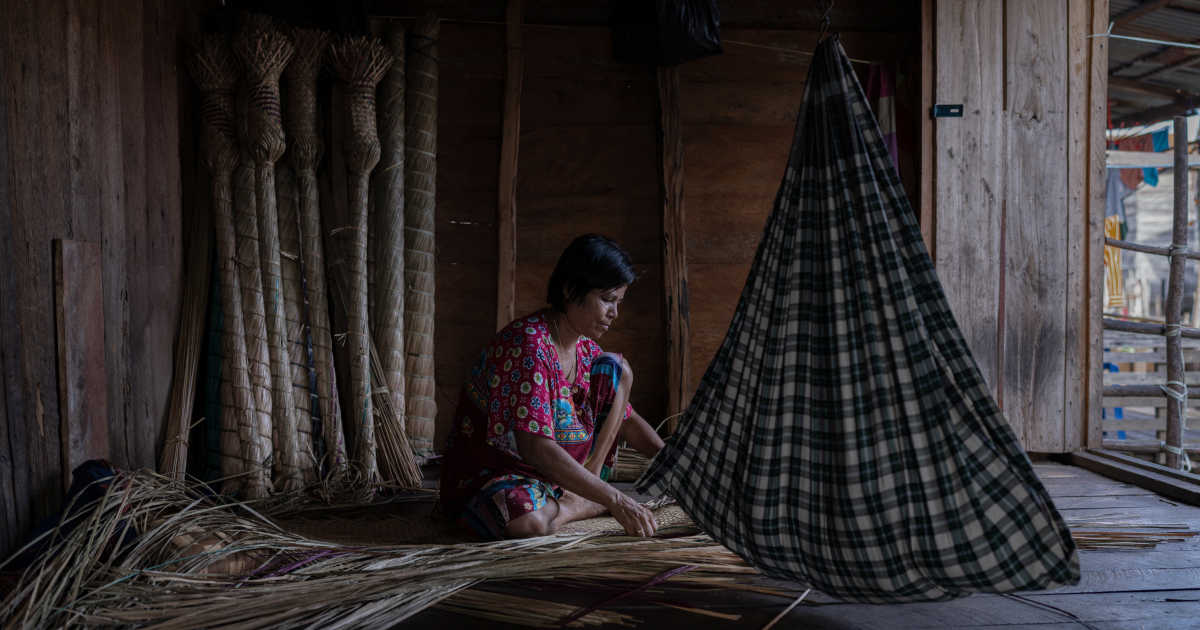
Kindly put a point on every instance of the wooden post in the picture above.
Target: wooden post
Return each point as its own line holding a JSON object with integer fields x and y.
{"x": 674, "y": 253}
{"x": 510, "y": 133}
{"x": 1175, "y": 411}
{"x": 925, "y": 216}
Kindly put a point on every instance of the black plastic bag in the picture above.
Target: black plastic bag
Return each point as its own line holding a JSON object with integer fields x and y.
{"x": 664, "y": 33}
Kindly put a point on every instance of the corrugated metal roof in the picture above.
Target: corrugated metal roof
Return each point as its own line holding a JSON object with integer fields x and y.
{"x": 1139, "y": 60}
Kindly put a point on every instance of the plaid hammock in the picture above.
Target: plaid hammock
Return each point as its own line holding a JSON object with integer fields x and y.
{"x": 843, "y": 436}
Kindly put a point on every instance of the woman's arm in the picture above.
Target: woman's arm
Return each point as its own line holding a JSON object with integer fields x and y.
{"x": 551, "y": 460}
{"x": 641, "y": 436}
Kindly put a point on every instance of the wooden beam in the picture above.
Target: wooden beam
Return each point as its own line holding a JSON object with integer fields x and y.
{"x": 1156, "y": 114}
{"x": 1137, "y": 85}
{"x": 1179, "y": 229}
{"x": 510, "y": 134}
{"x": 1097, "y": 183}
{"x": 83, "y": 389}
{"x": 1155, "y": 478}
{"x": 674, "y": 253}
{"x": 1144, "y": 8}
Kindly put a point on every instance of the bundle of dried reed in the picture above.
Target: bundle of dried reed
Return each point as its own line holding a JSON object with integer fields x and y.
{"x": 396, "y": 464}
{"x": 215, "y": 71}
{"x": 420, "y": 179}
{"x": 287, "y": 201}
{"x": 387, "y": 322}
{"x": 264, "y": 53}
{"x": 360, "y": 62}
{"x": 190, "y": 550}
{"x": 305, "y": 148}
{"x": 630, "y": 465}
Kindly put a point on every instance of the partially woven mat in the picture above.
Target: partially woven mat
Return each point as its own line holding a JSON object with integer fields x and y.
{"x": 417, "y": 525}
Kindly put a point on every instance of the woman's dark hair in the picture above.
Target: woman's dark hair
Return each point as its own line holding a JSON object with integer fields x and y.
{"x": 590, "y": 262}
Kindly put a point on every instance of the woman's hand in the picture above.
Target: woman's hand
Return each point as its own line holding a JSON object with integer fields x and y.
{"x": 634, "y": 517}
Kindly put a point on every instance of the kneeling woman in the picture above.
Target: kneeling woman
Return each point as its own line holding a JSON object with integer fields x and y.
{"x": 540, "y": 414}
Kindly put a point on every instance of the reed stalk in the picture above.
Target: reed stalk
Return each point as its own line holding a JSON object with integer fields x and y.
{"x": 264, "y": 53}
{"x": 420, "y": 189}
{"x": 360, "y": 62}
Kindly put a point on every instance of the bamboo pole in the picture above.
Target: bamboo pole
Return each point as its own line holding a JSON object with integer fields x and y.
{"x": 387, "y": 322}
{"x": 215, "y": 71}
{"x": 264, "y": 53}
{"x": 361, "y": 63}
{"x": 1176, "y": 413}
{"x": 305, "y": 148}
{"x": 420, "y": 189}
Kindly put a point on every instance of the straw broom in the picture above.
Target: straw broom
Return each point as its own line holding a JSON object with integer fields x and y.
{"x": 360, "y": 62}
{"x": 216, "y": 73}
{"x": 256, "y": 435}
{"x": 191, "y": 337}
{"x": 264, "y": 53}
{"x": 287, "y": 199}
{"x": 305, "y": 148}
{"x": 387, "y": 324}
{"x": 420, "y": 178}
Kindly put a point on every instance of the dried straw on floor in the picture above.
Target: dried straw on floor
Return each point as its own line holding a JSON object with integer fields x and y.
{"x": 216, "y": 73}
{"x": 287, "y": 201}
{"x": 255, "y": 436}
{"x": 396, "y": 464}
{"x": 360, "y": 62}
{"x": 305, "y": 148}
{"x": 387, "y": 322}
{"x": 264, "y": 53}
{"x": 191, "y": 550}
{"x": 420, "y": 179}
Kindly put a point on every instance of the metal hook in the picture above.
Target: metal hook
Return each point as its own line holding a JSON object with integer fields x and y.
{"x": 825, "y": 6}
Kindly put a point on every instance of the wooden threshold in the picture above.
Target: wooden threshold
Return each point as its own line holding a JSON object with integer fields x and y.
{"x": 1168, "y": 482}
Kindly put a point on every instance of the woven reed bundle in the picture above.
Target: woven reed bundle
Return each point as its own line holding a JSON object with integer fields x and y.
{"x": 216, "y": 74}
{"x": 397, "y": 465}
{"x": 256, "y": 435}
{"x": 287, "y": 202}
{"x": 305, "y": 148}
{"x": 360, "y": 62}
{"x": 387, "y": 322}
{"x": 420, "y": 178}
{"x": 264, "y": 53}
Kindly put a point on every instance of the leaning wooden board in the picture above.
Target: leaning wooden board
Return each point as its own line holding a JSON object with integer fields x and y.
{"x": 82, "y": 389}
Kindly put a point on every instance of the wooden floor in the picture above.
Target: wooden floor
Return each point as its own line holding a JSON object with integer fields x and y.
{"x": 1126, "y": 590}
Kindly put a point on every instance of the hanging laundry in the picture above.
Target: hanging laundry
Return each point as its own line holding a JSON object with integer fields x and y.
{"x": 843, "y": 436}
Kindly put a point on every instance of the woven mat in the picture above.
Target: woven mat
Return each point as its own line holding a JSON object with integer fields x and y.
{"x": 405, "y": 529}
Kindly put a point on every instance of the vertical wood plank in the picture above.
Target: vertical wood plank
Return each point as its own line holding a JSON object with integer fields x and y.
{"x": 677, "y": 336}
{"x": 111, "y": 207}
{"x": 164, "y": 224}
{"x": 1097, "y": 181}
{"x": 969, "y": 163}
{"x": 1036, "y": 226}
{"x": 82, "y": 389}
{"x": 1076, "y": 246}
{"x": 510, "y": 135}
{"x": 925, "y": 216}
{"x": 83, "y": 22}
{"x": 15, "y": 500}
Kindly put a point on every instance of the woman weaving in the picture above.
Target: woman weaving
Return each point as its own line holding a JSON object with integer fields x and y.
{"x": 541, "y": 411}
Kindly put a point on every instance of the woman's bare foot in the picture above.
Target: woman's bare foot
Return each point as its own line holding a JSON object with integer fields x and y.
{"x": 556, "y": 513}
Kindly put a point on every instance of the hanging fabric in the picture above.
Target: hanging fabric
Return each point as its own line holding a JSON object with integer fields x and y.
{"x": 843, "y": 436}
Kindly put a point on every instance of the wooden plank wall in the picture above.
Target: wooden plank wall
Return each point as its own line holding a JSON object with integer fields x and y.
{"x": 1018, "y": 199}
{"x": 739, "y": 114}
{"x": 89, "y": 150}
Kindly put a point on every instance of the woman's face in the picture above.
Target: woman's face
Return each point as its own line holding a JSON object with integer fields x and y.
{"x": 597, "y": 313}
